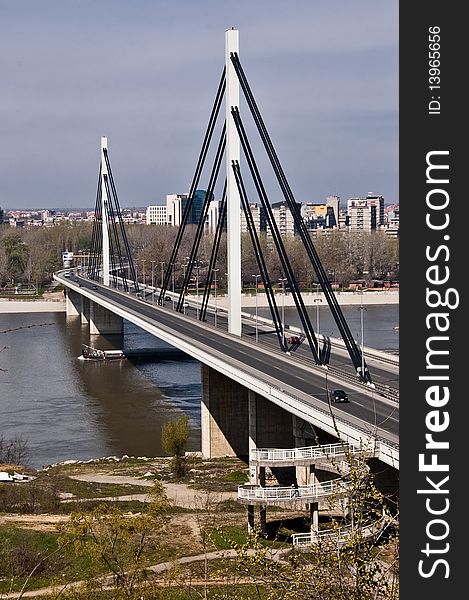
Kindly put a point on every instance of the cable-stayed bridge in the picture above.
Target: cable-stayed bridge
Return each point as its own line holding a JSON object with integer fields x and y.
{"x": 263, "y": 385}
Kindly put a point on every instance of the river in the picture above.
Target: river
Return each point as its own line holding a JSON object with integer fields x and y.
{"x": 65, "y": 408}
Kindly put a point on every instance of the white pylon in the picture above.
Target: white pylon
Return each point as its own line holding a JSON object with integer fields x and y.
{"x": 232, "y": 193}
{"x": 104, "y": 213}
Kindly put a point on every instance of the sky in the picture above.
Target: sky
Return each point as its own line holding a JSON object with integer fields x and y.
{"x": 144, "y": 74}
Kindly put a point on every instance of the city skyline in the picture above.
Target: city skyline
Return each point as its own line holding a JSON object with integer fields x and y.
{"x": 325, "y": 77}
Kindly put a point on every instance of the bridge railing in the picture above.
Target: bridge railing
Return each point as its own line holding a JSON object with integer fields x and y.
{"x": 328, "y": 451}
{"x": 339, "y": 535}
{"x": 307, "y": 493}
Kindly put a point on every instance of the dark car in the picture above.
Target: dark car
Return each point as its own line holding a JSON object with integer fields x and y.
{"x": 338, "y": 396}
{"x": 95, "y": 287}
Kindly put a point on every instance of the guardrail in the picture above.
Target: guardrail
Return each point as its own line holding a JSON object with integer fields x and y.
{"x": 382, "y": 389}
{"x": 339, "y": 535}
{"x": 328, "y": 451}
{"x": 307, "y": 493}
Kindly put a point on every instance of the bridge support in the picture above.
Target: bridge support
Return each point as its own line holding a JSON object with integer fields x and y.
{"x": 224, "y": 416}
{"x": 104, "y": 213}
{"x": 233, "y": 419}
{"x": 85, "y": 310}
{"x": 233, "y": 201}
{"x": 304, "y": 436}
{"x": 104, "y": 322}
{"x": 72, "y": 303}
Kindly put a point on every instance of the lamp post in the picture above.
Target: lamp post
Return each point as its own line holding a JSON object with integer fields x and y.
{"x": 282, "y": 281}
{"x": 317, "y": 302}
{"x": 361, "y": 308}
{"x": 173, "y": 268}
{"x": 215, "y": 271}
{"x": 144, "y": 260}
{"x": 152, "y": 280}
{"x": 257, "y": 333}
{"x": 162, "y": 273}
{"x": 197, "y": 287}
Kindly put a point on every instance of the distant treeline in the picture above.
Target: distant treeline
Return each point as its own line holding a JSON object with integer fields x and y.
{"x": 30, "y": 256}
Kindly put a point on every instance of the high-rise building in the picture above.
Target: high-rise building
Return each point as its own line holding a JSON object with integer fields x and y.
{"x": 173, "y": 209}
{"x": 258, "y": 216}
{"x": 284, "y": 218}
{"x": 365, "y": 214}
{"x": 334, "y": 203}
{"x": 176, "y": 205}
{"x": 318, "y": 216}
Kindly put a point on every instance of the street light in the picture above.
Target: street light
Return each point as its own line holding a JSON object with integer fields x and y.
{"x": 197, "y": 287}
{"x": 362, "y": 308}
{"x": 162, "y": 273}
{"x": 152, "y": 280}
{"x": 144, "y": 260}
{"x": 172, "y": 275}
{"x": 317, "y": 302}
{"x": 215, "y": 271}
{"x": 282, "y": 281}
{"x": 257, "y": 279}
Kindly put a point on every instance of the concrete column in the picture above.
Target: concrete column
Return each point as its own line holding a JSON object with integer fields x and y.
{"x": 301, "y": 429}
{"x": 250, "y": 518}
{"x": 314, "y": 506}
{"x": 233, "y": 202}
{"x": 252, "y": 412}
{"x": 314, "y": 516}
{"x": 263, "y": 519}
{"x": 104, "y": 213}
{"x": 85, "y": 310}
{"x": 103, "y": 321}
{"x": 225, "y": 420}
{"x": 72, "y": 303}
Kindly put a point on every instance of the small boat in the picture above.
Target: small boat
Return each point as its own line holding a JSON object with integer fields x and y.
{"x": 89, "y": 353}
{"x": 396, "y": 327}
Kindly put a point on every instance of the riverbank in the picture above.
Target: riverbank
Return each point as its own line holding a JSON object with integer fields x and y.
{"x": 50, "y": 302}
{"x": 55, "y": 301}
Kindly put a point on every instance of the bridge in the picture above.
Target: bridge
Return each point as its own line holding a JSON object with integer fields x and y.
{"x": 264, "y": 385}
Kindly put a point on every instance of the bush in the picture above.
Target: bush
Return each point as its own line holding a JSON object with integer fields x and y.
{"x": 174, "y": 436}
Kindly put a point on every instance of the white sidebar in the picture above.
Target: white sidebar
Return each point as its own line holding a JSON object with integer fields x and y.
{"x": 232, "y": 194}
{"x": 104, "y": 206}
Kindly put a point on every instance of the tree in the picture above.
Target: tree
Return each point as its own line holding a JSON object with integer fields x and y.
{"x": 17, "y": 253}
{"x": 118, "y": 541}
{"x": 174, "y": 437}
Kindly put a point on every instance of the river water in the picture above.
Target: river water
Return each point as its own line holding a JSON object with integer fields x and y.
{"x": 66, "y": 408}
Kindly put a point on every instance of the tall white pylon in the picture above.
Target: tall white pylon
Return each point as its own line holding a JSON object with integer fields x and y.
{"x": 104, "y": 213}
{"x": 232, "y": 193}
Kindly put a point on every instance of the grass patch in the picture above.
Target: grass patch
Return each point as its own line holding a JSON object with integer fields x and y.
{"x": 237, "y": 476}
{"x": 21, "y": 550}
{"x": 86, "y": 489}
{"x": 231, "y": 536}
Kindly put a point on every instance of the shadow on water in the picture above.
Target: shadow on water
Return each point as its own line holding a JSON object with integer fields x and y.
{"x": 70, "y": 408}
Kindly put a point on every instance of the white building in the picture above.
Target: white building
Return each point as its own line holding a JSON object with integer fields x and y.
{"x": 156, "y": 215}
{"x": 174, "y": 208}
{"x": 212, "y": 216}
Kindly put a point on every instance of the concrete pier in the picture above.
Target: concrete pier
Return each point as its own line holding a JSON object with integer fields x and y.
{"x": 73, "y": 303}
{"x": 233, "y": 419}
{"x": 104, "y": 322}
